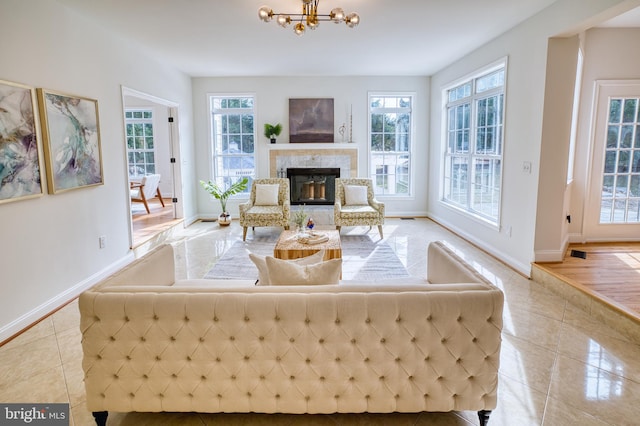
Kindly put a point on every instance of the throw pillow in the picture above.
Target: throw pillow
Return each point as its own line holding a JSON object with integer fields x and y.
{"x": 263, "y": 272}
{"x": 266, "y": 195}
{"x": 355, "y": 195}
{"x": 282, "y": 272}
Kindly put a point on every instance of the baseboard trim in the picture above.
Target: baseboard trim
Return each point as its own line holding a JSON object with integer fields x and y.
{"x": 549, "y": 255}
{"x": 522, "y": 268}
{"x": 29, "y": 319}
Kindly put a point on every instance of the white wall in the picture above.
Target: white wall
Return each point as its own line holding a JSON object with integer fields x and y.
{"x": 526, "y": 48}
{"x": 272, "y": 105}
{"x": 50, "y": 244}
{"x": 551, "y": 227}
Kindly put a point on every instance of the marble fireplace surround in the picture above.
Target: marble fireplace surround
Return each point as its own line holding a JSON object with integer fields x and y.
{"x": 346, "y": 159}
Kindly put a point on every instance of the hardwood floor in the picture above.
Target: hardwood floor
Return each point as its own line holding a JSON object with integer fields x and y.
{"x": 146, "y": 225}
{"x": 611, "y": 272}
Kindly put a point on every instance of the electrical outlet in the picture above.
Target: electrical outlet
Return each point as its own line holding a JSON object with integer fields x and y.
{"x": 526, "y": 167}
{"x": 102, "y": 241}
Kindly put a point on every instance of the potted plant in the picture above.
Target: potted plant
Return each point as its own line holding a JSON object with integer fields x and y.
{"x": 298, "y": 218}
{"x": 271, "y": 131}
{"x": 223, "y": 195}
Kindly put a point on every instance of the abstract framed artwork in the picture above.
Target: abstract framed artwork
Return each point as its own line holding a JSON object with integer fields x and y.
{"x": 311, "y": 120}
{"x": 71, "y": 134}
{"x": 20, "y": 147}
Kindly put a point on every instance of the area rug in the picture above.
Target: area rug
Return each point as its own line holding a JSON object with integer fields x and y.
{"x": 363, "y": 258}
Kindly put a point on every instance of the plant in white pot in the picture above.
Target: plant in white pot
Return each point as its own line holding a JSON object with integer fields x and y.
{"x": 223, "y": 195}
{"x": 271, "y": 131}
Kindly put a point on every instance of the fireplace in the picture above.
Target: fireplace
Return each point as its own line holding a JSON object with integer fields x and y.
{"x": 313, "y": 185}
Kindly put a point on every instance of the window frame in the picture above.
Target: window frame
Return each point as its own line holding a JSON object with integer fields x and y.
{"x": 472, "y": 100}
{"x": 144, "y": 120}
{"x": 410, "y": 195}
{"x": 215, "y": 157}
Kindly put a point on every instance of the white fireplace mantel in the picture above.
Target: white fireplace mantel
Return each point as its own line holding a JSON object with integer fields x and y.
{"x": 344, "y": 156}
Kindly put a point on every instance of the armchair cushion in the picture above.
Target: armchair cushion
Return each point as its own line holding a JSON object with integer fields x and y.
{"x": 266, "y": 195}
{"x": 284, "y": 272}
{"x": 355, "y": 195}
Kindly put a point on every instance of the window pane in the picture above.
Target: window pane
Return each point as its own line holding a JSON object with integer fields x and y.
{"x": 629, "y": 110}
{"x": 247, "y": 123}
{"x": 626, "y": 136}
{"x": 607, "y": 187}
{"x": 610, "y": 162}
{"x": 621, "y": 186}
{"x": 615, "y": 111}
{"x": 149, "y": 158}
{"x": 376, "y": 142}
{"x": 490, "y": 81}
{"x": 612, "y": 136}
{"x": 623, "y": 162}
{"x": 619, "y": 211}
{"x": 247, "y": 144}
{"x": 634, "y": 188}
{"x": 635, "y": 164}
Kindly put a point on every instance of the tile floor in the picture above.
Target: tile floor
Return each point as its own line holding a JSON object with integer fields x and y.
{"x": 558, "y": 365}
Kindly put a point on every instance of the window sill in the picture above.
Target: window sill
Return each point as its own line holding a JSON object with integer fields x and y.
{"x": 474, "y": 217}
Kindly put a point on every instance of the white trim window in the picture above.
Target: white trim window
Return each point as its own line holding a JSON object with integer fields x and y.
{"x": 141, "y": 152}
{"x": 391, "y": 143}
{"x": 620, "y": 199}
{"x": 472, "y": 172}
{"x": 232, "y": 138}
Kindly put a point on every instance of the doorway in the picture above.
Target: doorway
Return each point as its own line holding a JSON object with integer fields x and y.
{"x": 152, "y": 147}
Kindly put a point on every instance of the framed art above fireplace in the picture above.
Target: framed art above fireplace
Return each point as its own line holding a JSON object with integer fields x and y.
{"x": 311, "y": 120}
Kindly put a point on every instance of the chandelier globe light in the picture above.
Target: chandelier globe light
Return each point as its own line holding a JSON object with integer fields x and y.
{"x": 309, "y": 18}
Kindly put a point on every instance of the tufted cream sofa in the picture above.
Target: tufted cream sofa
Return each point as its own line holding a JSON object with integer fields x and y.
{"x": 154, "y": 344}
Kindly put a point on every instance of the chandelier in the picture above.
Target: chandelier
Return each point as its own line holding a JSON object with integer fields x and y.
{"x": 309, "y": 16}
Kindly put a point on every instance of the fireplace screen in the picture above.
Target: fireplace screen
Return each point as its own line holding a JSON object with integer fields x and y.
{"x": 313, "y": 185}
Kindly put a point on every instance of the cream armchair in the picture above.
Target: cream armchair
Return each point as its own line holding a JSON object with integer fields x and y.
{"x": 146, "y": 189}
{"x": 266, "y": 207}
{"x": 355, "y": 205}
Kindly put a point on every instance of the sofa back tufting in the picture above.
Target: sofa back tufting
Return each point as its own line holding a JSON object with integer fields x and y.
{"x": 319, "y": 349}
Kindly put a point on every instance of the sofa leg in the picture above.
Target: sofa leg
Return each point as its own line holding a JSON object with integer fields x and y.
{"x": 483, "y": 415}
{"x": 244, "y": 233}
{"x": 380, "y": 231}
{"x": 338, "y": 228}
{"x": 101, "y": 417}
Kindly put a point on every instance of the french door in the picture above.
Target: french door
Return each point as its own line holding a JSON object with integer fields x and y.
{"x": 613, "y": 205}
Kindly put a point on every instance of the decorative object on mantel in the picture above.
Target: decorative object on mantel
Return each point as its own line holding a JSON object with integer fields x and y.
{"x": 272, "y": 130}
{"x": 223, "y": 195}
{"x": 311, "y": 120}
{"x": 309, "y": 16}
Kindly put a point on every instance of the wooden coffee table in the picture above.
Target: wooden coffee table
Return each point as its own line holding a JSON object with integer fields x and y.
{"x": 287, "y": 246}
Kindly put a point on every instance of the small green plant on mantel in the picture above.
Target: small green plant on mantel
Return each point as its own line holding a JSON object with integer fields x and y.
{"x": 223, "y": 195}
{"x": 272, "y": 130}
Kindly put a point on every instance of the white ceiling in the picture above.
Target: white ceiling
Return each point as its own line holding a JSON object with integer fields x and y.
{"x": 226, "y": 38}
